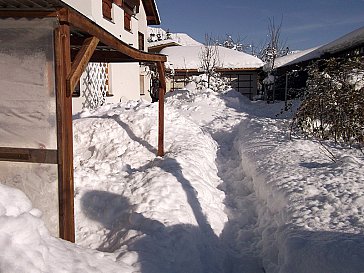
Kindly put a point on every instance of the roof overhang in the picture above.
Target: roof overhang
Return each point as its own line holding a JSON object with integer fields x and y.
{"x": 151, "y": 11}
{"x": 109, "y": 49}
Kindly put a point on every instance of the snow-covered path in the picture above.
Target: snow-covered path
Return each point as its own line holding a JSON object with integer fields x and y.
{"x": 240, "y": 237}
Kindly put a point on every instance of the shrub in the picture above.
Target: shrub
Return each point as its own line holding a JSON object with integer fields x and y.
{"x": 333, "y": 103}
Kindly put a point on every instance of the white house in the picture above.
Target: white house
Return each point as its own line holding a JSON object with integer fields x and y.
{"x": 128, "y": 21}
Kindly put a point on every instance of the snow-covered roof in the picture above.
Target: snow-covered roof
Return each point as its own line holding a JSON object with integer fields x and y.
{"x": 167, "y": 38}
{"x": 350, "y": 40}
{"x": 297, "y": 57}
{"x": 188, "y": 57}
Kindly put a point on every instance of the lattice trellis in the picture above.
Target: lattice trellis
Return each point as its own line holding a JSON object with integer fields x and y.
{"x": 96, "y": 85}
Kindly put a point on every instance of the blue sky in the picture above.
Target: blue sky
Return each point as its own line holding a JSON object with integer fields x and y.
{"x": 306, "y": 23}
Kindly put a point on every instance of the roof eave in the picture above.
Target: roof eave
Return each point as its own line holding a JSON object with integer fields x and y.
{"x": 151, "y": 11}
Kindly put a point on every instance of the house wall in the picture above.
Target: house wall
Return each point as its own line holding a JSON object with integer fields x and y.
{"x": 121, "y": 88}
{"x": 93, "y": 10}
{"x": 245, "y": 82}
{"x": 142, "y": 25}
{"x": 124, "y": 79}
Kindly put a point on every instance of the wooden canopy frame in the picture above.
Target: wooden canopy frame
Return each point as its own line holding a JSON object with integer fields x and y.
{"x": 77, "y": 41}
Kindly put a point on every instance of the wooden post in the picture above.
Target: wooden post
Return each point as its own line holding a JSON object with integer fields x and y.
{"x": 64, "y": 134}
{"x": 162, "y": 91}
{"x": 286, "y": 92}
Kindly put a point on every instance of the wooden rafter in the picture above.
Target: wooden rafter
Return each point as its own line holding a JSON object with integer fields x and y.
{"x": 80, "y": 63}
{"x": 78, "y": 21}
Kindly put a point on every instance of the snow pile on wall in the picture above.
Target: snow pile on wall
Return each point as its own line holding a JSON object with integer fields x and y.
{"x": 28, "y": 247}
{"x": 188, "y": 57}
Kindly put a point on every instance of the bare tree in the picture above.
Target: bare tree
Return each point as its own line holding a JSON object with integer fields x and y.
{"x": 274, "y": 47}
{"x": 209, "y": 58}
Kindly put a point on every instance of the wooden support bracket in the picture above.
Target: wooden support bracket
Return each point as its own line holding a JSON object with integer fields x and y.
{"x": 79, "y": 64}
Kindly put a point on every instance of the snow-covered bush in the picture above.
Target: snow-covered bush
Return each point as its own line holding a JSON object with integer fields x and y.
{"x": 217, "y": 82}
{"x": 333, "y": 104}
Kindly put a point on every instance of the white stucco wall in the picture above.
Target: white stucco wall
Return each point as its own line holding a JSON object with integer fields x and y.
{"x": 124, "y": 81}
{"x": 142, "y": 24}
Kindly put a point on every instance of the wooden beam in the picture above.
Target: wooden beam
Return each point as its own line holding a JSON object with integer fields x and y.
{"x": 80, "y": 62}
{"x": 162, "y": 91}
{"x": 85, "y": 25}
{"x": 102, "y": 56}
{"x": 28, "y": 155}
{"x": 64, "y": 134}
{"x": 27, "y": 14}
{"x": 80, "y": 22}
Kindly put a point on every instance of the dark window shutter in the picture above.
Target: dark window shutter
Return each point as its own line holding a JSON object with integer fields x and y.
{"x": 127, "y": 21}
{"x": 106, "y": 8}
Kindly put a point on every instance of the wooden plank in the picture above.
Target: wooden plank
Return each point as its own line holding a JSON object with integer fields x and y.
{"x": 162, "y": 91}
{"x": 28, "y": 155}
{"x": 80, "y": 63}
{"x": 64, "y": 134}
{"x": 27, "y": 14}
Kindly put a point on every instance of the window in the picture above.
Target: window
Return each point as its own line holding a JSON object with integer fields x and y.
{"x": 141, "y": 41}
{"x": 127, "y": 20}
{"x": 106, "y": 9}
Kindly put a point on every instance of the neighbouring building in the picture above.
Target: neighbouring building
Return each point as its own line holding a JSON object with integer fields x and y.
{"x": 239, "y": 68}
{"x": 184, "y": 59}
{"x": 351, "y": 44}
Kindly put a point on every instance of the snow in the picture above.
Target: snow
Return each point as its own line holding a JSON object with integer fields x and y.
{"x": 345, "y": 42}
{"x": 232, "y": 194}
{"x": 188, "y": 57}
{"x": 294, "y": 58}
{"x": 182, "y": 39}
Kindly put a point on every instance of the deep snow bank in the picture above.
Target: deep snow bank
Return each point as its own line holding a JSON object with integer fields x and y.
{"x": 311, "y": 209}
{"x": 156, "y": 214}
{"x": 28, "y": 247}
